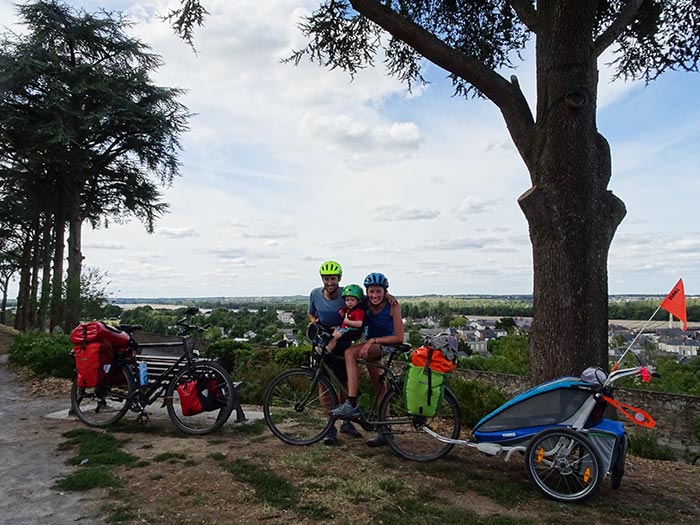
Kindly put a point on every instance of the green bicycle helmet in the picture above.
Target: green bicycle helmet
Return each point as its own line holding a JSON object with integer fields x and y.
{"x": 353, "y": 290}
{"x": 331, "y": 268}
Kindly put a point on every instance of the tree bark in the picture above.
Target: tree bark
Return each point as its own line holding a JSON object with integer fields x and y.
{"x": 56, "y": 309}
{"x": 571, "y": 214}
{"x": 32, "y": 311}
{"x": 47, "y": 245}
{"x": 75, "y": 262}
{"x": 21, "y": 316}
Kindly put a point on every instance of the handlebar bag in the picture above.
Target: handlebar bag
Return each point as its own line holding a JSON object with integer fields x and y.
{"x": 93, "y": 362}
{"x": 423, "y": 389}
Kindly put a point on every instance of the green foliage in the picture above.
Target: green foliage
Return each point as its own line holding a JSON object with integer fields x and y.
{"x": 509, "y": 355}
{"x": 680, "y": 378}
{"x": 647, "y": 446}
{"x": 475, "y": 399}
{"x": 45, "y": 354}
{"x": 292, "y": 356}
{"x": 228, "y": 350}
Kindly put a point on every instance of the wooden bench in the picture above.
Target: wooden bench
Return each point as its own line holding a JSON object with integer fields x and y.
{"x": 158, "y": 365}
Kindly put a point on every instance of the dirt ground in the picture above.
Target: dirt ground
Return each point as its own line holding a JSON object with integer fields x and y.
{"x": 234, "y": 475}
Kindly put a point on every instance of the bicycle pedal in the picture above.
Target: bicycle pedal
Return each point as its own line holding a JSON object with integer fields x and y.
{"x": 142, "y": 418}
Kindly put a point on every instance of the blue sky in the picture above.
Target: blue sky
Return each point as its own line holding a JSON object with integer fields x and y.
{"x": 285, "y": 167}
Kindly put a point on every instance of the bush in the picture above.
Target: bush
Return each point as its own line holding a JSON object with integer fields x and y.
{"x": 226, "y": 350}
{"x": 292, "y": 356}
{"x": 45, "y": 354}
{"x": 475, "y": 399}
{"x": 254, "y": 366}
{"x": 648, "y": 447}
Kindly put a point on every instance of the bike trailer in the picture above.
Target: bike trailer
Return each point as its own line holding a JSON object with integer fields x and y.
{"x": 553, "y": 403}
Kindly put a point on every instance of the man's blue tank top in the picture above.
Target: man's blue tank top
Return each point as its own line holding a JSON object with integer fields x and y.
{"x": 380, "y": 324}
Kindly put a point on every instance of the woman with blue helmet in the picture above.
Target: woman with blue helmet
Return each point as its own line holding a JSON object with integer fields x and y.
{"x": 384, "y": 327}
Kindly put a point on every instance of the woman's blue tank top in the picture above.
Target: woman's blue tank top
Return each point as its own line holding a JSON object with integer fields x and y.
{"x": 380, "y": 324}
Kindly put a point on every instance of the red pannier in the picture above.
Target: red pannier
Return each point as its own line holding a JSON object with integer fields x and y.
{"x": 96, "y": 331}
{"x": 93, "y": 362}
{"x": 94, "y": 346}
{"x": 198, "y": 395}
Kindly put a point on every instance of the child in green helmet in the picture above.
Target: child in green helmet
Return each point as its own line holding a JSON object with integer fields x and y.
{"x": 353, "y": 316}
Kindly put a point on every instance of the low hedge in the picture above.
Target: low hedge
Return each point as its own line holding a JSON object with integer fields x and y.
{"x": 45, "y": 354}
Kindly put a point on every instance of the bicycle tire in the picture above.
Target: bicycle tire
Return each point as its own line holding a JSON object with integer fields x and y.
{"x": 563, "y": 465}
{"x": 294, "y": 406}
{"x": 403, "y": 430}
{"x": 207, "y": 421}
{"x": 102, "y": 406}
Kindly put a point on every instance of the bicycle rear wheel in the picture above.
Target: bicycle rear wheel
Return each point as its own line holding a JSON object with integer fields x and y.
{"x": 296, "y": 406}
{"x": 403, "y": 430}
{"x": 218, "y": 384}
{"x": 563, "y": 464}
{"x": 104, "y": 405}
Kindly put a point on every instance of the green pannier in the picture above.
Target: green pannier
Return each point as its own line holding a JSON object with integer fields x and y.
{"x": 423, "y": 390}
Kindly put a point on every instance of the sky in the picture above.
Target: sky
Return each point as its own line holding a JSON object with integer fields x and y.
{"x": 285, "y": 167}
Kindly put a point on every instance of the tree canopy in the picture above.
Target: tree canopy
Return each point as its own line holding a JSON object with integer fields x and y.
{"x": 572, "y": 216}
{"x": 85, "y": 135}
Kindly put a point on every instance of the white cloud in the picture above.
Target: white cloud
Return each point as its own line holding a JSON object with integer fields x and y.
{"x": 285, "y": 167}
{"x": 178, "y": 233}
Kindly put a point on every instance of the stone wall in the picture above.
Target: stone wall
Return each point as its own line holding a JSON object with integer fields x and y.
{"x": 677, "y": 416}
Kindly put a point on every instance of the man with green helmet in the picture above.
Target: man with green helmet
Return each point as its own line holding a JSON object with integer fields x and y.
{"x": 325, "y": 304}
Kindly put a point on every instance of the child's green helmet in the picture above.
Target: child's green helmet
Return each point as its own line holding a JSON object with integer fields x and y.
{"x": 353, "y": 290}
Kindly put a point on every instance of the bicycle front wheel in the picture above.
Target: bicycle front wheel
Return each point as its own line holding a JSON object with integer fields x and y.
{"x": 296, "y": 406}
{"x": 404, "y": 432}
{"x": 104, "y": 405}
{"x": 216, "y": 381}
{"x": 563, "y": 464}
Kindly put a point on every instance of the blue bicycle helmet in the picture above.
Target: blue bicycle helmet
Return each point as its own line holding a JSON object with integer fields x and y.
{"x": 376, "y": 279}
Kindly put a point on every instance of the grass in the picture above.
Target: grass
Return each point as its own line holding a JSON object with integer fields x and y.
{"x": 170, "y": 457}
{"x": 269, "y": 486}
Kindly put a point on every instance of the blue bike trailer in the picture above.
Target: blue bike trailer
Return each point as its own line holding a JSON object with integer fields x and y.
{"x": 553, "y": 403}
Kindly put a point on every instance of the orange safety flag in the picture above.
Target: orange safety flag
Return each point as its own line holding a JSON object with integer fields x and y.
{"x": 675, "y": 303}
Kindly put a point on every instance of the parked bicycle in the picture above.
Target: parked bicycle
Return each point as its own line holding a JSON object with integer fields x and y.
{"x": 297, "y": 402}
{"x": 108, "y": 402}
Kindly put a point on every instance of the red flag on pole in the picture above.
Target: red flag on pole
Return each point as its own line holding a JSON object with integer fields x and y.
{"x": 675, "y": 303}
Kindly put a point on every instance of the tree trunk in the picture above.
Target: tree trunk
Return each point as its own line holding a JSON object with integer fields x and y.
{"x": 3, "y": 306}
{"x": 47, "y": 244}
{"x": 21, "y": 316}
{"x": 32, "y": 311}
{"x": 571, "y": 214}
{"x": 57, "y": 310}
{"x": 75, "y": 262}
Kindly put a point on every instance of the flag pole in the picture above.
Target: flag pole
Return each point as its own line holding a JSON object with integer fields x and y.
{"x": 617, "y": 364}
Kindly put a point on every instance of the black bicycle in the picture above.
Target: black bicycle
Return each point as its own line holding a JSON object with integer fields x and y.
{"x": 103, "y": 405}
{"x": 297, "y": 402}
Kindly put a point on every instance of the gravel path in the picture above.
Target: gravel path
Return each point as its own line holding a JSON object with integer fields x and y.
{"x": 29, "y": 462}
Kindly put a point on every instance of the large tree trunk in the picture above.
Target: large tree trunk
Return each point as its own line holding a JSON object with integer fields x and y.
{"x": 47, "y": 245}
{"x": 56, "y": 309}
{"x": 32, "y": 311}
{"x": 3, "y": 306}
{"x": 571, "y": 214}
{"x": 21, "y": 317}
{"x": 75, "y": 263}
